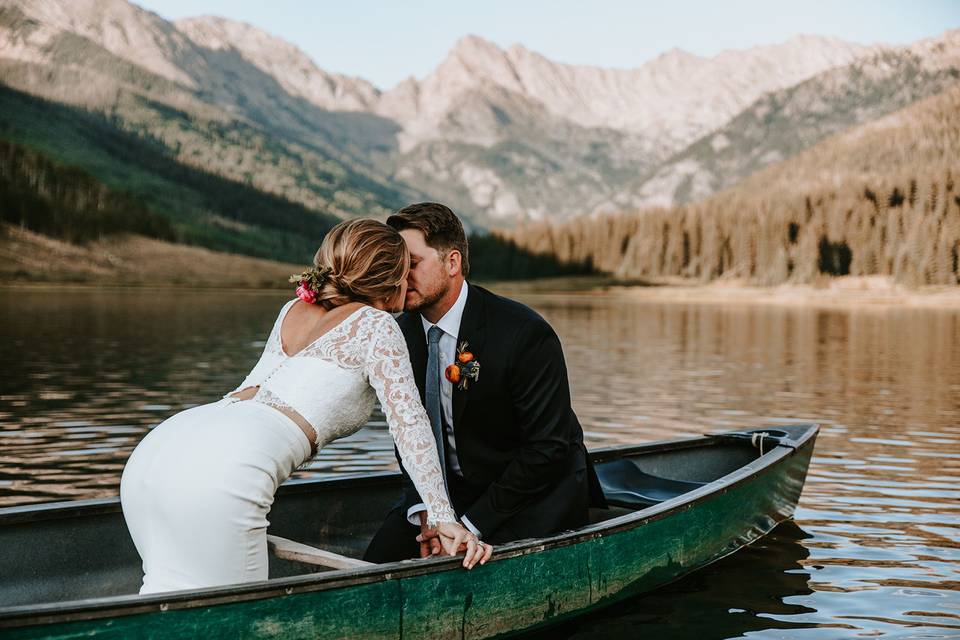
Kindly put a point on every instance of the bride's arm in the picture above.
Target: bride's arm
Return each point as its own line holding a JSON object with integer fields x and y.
{"x": 390, "y": 374}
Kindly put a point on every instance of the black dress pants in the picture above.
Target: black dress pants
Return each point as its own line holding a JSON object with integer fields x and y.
{"x": 563, "y": 507}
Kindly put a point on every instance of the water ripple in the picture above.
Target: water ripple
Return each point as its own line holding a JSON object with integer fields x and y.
{"x": 874, "y": 548}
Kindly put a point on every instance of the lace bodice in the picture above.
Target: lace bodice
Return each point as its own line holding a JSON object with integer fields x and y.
{"x": 333, "y": 382}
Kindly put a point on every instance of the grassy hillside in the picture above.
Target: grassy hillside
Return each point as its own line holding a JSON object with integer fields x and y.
{"x": 129, "y": 260}
{"x": 880, "y": 199}
{"x": 67, "y": 202}
{"x": 222, "y": 114}
{"x": 204, "y": 209}
{"x": 74, "y": 175}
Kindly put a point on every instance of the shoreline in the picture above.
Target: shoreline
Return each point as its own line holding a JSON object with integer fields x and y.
{"x": 197, "y": 286}
{"x": 844, "y": 292}
{"x": 32, "y": 262}
{"x": 805, "y": 296}
{"x": 839, "y": 292}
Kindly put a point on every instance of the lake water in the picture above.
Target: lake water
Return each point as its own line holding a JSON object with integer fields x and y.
{"x": 875, "y": 547}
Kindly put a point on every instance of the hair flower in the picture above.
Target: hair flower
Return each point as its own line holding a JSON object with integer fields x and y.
{"x": 310, "y": 282}
{"x": 305, "y": 293}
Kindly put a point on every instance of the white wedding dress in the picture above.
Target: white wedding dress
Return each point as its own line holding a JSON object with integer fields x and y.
{"x": 197, "y": 489}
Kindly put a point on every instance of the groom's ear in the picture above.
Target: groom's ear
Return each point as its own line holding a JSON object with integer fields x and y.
{"x": 453, "y": 262}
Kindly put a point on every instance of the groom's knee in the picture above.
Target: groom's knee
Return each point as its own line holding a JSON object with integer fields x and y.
{"x": 395, "y": 540}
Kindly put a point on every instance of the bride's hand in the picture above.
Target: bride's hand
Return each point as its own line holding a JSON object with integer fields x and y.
{"x": 454, "y": 536}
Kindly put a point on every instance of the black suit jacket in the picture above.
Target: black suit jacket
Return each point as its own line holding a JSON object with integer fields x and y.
{"x": 517, "y": 436}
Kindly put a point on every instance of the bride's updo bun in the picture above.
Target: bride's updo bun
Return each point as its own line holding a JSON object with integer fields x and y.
{"x": 359, "y": 261}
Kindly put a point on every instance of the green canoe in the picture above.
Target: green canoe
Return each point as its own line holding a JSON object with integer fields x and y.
{"x": 70, "y": 570}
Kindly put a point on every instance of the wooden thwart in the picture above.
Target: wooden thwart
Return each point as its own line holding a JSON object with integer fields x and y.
{"x": 290, "y": 550}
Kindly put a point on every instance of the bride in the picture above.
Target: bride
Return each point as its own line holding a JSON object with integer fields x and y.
{"x": 197, "y": 489}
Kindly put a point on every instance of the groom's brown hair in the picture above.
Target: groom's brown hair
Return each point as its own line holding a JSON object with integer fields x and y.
{"x": 440, "y": 226}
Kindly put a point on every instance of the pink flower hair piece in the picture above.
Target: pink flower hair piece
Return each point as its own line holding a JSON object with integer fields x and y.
{"x": 305, "y": 293}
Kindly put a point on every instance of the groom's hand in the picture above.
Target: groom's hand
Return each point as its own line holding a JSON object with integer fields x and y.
{"x": 429, "y": 538}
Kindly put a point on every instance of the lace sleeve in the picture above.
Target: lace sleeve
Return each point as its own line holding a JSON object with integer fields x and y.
{"x": 390, "y": 374}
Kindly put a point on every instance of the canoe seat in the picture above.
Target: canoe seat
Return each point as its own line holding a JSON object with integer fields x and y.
{"x": 626, "y": 485}
{"x": 292, "y": 550}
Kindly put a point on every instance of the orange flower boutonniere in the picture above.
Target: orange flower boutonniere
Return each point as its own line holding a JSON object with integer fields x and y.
{"x": 465, "y": 368}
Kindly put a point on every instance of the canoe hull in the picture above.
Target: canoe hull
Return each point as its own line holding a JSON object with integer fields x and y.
{"x": 528, "y": 586}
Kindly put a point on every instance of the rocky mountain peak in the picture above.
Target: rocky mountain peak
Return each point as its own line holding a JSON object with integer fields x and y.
{"x": 290, "y": 66}
{"x": 473, "y": 46}
{"x": 673, "y": 98}
{"x": 501, "y": 132}
{"x": 124, "y": 29}
{"x": 473, "y": 61}
{"x": 675, "y": 57}
{"x": 940, "y": 52}
{"x": 218, "y": 33}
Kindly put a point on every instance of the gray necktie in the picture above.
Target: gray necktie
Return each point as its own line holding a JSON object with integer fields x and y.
{"x": 433, "y": 392}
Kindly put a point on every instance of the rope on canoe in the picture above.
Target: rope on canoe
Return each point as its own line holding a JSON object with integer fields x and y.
{"x": 763, "y": 440}
{"x": 756, "y": 439}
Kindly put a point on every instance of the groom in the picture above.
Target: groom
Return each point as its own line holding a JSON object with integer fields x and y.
{"x": 513, "y": 449}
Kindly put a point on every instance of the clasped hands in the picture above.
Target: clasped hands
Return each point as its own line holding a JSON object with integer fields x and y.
{"x": 453, "y": 538}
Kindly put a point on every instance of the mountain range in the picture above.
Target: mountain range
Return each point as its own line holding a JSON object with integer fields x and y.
{"x": 503, "y": 135}
{"x": 878, "y": 199}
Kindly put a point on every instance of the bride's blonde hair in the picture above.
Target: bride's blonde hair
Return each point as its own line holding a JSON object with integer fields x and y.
{"x": 359, "y": 261}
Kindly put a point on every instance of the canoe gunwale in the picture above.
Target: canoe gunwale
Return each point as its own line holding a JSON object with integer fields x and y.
{"x": 96, "y": 608}
{"x": 96, "y": 506}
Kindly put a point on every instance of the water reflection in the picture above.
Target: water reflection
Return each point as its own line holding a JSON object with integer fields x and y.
{"x": 85, "y": 374}
{"x": 716, "y": 602}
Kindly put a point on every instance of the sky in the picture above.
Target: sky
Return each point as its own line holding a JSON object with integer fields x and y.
{"x": 385, "y": 42}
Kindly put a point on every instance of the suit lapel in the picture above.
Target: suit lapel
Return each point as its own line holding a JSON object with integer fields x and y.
{"x": 472, "y": 331}
{"x": 412, "y": 328}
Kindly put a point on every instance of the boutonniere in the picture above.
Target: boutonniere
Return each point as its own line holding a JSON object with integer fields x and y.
{"x": 466, "y": 368}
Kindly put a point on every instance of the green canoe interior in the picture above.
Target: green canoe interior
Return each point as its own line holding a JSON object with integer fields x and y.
{"x": 62, "y": 553}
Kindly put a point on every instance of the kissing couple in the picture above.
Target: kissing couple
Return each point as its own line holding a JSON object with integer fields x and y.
{"x": 473, "y": 386}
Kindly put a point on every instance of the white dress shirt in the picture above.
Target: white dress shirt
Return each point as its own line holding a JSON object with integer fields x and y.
{"x": 450, "y": 324}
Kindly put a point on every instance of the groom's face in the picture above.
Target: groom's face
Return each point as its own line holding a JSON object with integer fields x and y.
{"x": 428, "y": 280}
